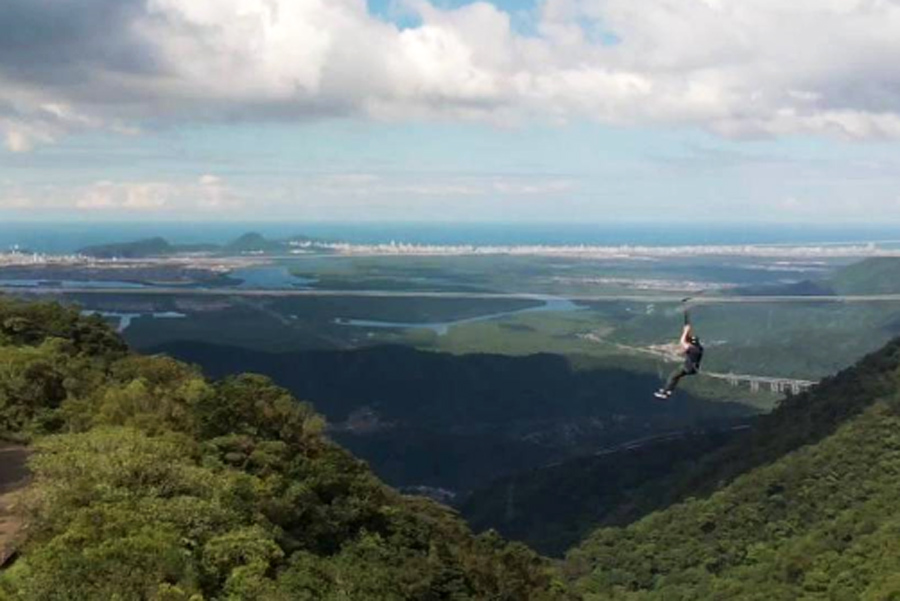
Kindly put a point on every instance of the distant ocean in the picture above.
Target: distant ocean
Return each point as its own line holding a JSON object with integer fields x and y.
{"x": 68, "y": 237}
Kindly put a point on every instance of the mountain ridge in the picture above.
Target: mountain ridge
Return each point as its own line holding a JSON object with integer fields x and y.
{"x": 763, "y": 516}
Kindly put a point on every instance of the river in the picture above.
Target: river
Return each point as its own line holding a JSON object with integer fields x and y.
{"x": 551, "y": 303}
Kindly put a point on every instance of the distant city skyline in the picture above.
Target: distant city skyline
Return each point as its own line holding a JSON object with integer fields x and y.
{"x": 416, "y": 110}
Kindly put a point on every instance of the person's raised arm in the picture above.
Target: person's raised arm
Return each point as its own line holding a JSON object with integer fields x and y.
{"x": 685, "y": 334}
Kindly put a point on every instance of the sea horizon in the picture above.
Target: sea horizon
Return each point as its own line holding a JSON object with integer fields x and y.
{"x": 47, "y": 237}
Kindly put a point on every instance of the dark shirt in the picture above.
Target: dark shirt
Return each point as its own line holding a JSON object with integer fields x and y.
{"x": 693, "y": 355}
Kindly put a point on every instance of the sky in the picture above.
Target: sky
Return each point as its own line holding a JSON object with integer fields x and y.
{"x": 450, "y": 110}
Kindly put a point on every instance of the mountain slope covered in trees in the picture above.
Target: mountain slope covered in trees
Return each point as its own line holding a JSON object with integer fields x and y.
{"x": 620, "y": 487}
{"x": 152, "y": 482}
{"x": 598, "y": 490}
{"x": 803, "y": 506}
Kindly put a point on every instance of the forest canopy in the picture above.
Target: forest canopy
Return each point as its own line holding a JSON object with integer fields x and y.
{"x": 152, "y": 482}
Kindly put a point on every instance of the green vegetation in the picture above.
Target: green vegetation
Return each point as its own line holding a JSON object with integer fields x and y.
{"x": 589, "y": 339}
{"x": 561, "y": 276}
{"x": 876, "y": 275}
{"x": 804, "y": 341}
{"x": 250, "y": 242}
{"x": 148, "y": 247}
{"x": 457, "y": 422}
{"x": 152, "y": 482}
{"x": 253, "y": 242}
{"x": 480, "y": 273}
{"x": 289, "y": 323}
{"x": 802, "y": 506}
{"x": 801, "y": 340}
{"x": 525, "y": 334}
{"x": 598, "y": 491}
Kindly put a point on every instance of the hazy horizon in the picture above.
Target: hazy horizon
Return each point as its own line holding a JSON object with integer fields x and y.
{"x": 64, "y": 237}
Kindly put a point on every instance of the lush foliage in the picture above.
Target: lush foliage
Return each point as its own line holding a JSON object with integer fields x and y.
{"x": 148, "y": 247}
{"x": 603, "y": 490}
{"x": 458, "y": 422}
{"x": 875, "y": 275}
{"x": 151, "y": 482}
{"x": 157, "y": 246}
{"x": 803, "y": 506}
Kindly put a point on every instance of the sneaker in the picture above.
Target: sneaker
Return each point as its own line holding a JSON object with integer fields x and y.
{"x": 662, "y": 394}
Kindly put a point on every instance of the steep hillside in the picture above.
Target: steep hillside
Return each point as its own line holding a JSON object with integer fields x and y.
{"x": 555, "y": 507}
{"x": 152, "y": 482}
{"x": 803, "y": 506}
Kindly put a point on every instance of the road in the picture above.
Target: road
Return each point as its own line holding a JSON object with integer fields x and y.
{"x": 640, "y": 298}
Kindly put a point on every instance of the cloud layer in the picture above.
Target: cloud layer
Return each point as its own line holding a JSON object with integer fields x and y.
{"x": 208, "y": 195}
{"x": 735, "y": 67}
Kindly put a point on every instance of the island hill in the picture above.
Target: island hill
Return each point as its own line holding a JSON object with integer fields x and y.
{"x": 151, "y": 481}
{"x": 249, "y": 243}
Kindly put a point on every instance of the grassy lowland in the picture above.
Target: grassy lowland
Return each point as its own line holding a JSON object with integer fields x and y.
{"x": 286, "y": 323}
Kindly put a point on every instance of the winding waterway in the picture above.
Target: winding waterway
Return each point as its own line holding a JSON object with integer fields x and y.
{"x": 551, "y": 303}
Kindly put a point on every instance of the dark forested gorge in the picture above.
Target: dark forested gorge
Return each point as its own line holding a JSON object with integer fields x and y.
{"x": 555, "y": 507}
{"x": 460, "y": 421}
{"x": 151, "y": 481}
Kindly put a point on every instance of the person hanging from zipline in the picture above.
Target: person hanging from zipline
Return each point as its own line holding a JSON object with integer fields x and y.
{"x": 693, "y": 355}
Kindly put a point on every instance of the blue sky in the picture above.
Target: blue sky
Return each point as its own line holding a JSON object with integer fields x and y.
{"x": 450, "y": 111}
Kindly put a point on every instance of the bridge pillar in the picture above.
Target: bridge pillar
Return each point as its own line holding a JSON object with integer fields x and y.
{"x": 796, "y": 388}
{"x": 754, "y": 386}
{"x": 775, "y": 386}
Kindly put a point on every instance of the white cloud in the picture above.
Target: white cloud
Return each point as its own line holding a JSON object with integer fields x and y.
{"x": 22, "y": 135}
{"x": 792, "y": 203}
{"x": 16, "y": 202}
{"x": 27, "y": 120}
{"x": 209, "y": 193}
{"x": 18, "y": 141}
{"x": 209, "y": 180}
{"x": 735, "y": 67}
{"x": 131, "y": 196}
{"x": 212, "y": 193}
{"x": 485, "y": 187}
